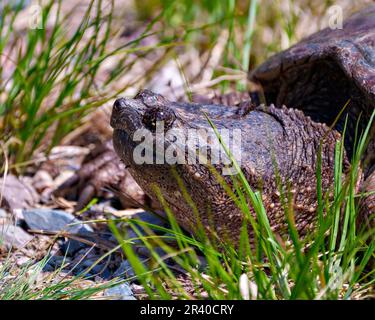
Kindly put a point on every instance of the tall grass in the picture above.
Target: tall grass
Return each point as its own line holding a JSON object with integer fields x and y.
{"x": 52, "y": 76}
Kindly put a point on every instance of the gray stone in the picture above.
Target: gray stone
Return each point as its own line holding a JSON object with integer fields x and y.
{"x": 17, "y": 194}
{"x": 49, "y": 268}
{"x": 58, "y": 261}
{"x": 133, "y": 236}
{"x": 54, "y": 220}
{"x": 104, "y": 206}
{"x": 99, "y": 271}
{"x": 18, "y": 215}
{"x": 150, "y": 218}
{"x": 202, "y": 263}
{"x": 71, "y": 247}
{"x": 120, "y": 292}
{"x": 23, "y": 261}
{"x": 58, "y": 221}
{"x": 87, "y": 264}
{"x": 13, "y": 236}
{"x": 125, "y": 270}
{"x": 105, "y": 274}
{"x": 3, "y": 214}
{"x": 145, "y": 252}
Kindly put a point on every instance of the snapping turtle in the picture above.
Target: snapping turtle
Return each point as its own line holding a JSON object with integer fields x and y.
{"x": 319, "y": 75}
{"x": 270, "y": 138}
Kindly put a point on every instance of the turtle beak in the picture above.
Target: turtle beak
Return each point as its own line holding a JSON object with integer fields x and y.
{"x": 117, "y": 110}
{"x": 127, "y": 114}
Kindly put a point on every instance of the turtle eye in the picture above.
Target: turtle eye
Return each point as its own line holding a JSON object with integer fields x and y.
{"x": 154, "y": 116}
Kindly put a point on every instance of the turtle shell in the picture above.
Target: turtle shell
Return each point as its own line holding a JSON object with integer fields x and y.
{"x": 326, "y": 71}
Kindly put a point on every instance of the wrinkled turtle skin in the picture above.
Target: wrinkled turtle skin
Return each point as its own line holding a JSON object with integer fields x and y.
{"x": 103, "y": 170}
{"x": 271, "y": 138}
{"x": 320, "y": 74}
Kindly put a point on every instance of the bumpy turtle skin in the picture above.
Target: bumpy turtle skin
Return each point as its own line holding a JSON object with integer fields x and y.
{"x": 102, "y": 169}
{"x": 322, "y": 73}
{"x": 271, "y": 138}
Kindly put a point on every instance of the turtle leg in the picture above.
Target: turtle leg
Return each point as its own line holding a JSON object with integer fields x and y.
{"x": 102, "y": 169}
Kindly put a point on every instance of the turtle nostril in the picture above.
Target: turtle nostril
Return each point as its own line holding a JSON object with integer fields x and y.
{"x": 117, "y": 110}
{"x": 119, "y": 104}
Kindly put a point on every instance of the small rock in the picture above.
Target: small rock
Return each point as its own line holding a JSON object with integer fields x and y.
{"x": 106, "y": 274}
{"x": 103, "y": 207}
{"x": 87, "y": 253}
{"x": 21, "y": 261}
{"x": 18, "y": 214}
{"x": 48, "y": 268}
{"x": 3, "y": 214}
{"x": 58, "y": 261}
{"x": 202, "y": 263}
{"x": 86, "y": 264}
{"x": 71, "y": 247}
{"x": 88, "y": 267}
{"x": 143, "y": 251}
{"x": 120, "y": 292}
{"x": 131, "y": 234}
{"x": 54, "y": 220}
{"x": 13, "y": 236}
{"x": 138, "y": 289}
{"x": 150, "y": 218}
{"x": 102, "y": 275}
{"x": 42, "y": 180}
{"x": 125, "y": 270}
{"x": 17, "y": 194}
